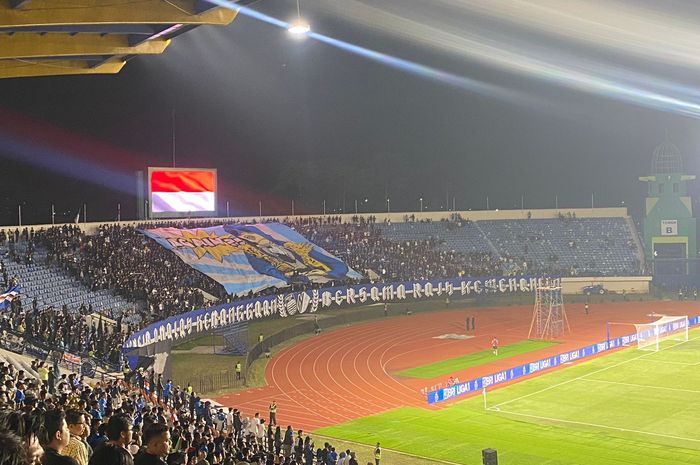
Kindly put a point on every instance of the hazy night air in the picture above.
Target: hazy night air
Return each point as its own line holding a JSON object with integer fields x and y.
{"x": 445, "y": 101}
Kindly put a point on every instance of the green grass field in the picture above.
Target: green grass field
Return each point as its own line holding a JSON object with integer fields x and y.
{"x": 629, "y": 407}
{"x": 445, "y": 367}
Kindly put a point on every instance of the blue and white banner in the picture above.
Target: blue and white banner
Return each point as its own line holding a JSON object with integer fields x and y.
{"x": 250, "y": 258}
{"x": 8, "y": 296}
{"x": 204, "y": 320}
{"x": 477, "y": 384}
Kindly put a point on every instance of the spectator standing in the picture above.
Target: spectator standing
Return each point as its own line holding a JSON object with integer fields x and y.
{"x": 75, "y": 447}
{"x": 299, "y": 444}
{"x": 278, "y": 440}
{"x": 167, "y": 391}
{"x": 156, "y": 438}
{"x": 58, "y": 437}
{"x": 273, "y": 413}
{"x": 119, "y": 436}
{"x": 287, "y": 442}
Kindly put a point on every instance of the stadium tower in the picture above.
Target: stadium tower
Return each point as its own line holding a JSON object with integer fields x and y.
{"x": 549, "y": 319}
{"x": 669, "y": 226}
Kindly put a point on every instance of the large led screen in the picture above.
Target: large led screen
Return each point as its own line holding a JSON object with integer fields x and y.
{"x": 180, "y": 192}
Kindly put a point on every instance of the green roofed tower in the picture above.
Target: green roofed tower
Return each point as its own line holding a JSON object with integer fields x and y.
{"x": 669, "y": 225}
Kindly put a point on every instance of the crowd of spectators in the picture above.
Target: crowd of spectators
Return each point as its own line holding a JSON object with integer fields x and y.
{"x": 364, "y": 248}
{"x": 122, "y": 259}
{"x": 52, "y": 418}
{"x": 64, "y": 330}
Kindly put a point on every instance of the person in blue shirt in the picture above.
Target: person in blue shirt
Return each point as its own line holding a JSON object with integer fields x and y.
{"x": 19, "y": 395}
{"x": 95, "y": 410}
{"x": 102, "y": 403}
{"x": 167, "y": 391}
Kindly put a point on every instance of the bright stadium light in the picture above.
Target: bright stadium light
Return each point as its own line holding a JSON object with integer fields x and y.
{"x": 298, "y": 26}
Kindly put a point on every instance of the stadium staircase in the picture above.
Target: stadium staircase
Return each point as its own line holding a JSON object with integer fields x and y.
{"x": 637, "y": 242}
{"x": 21, "y": 362}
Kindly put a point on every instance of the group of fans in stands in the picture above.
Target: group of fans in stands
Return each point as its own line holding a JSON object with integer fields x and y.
{"x": 159, "y": 284}
{"x": 52, "y": 418}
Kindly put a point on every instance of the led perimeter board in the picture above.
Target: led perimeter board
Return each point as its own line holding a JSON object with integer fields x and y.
{"x": 181, "y": 192}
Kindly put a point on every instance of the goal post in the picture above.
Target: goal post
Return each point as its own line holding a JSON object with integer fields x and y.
{"x": 650, "y": 335}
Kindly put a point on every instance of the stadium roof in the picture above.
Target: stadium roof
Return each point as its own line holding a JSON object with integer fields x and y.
{"x": 48, "y": 38}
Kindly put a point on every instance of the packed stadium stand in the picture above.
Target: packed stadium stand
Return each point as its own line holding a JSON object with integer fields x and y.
{"x": 121, "y": 273}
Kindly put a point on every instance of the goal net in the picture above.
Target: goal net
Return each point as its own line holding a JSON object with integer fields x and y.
{"x": 650, "y": 335}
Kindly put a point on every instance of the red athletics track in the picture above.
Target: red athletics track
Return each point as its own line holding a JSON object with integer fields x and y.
{"x": 347, "y": 373}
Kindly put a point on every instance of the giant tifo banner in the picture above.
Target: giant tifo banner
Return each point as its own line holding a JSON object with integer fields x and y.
{"x": 204, "y": 320}
{"x": 478, "y": 384}
{"x": 250, "y": 258}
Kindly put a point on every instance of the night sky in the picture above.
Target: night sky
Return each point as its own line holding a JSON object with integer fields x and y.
{"x": 560, "y": 98}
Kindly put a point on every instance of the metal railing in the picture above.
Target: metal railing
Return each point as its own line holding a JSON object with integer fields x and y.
{"x": 210, "y": 382}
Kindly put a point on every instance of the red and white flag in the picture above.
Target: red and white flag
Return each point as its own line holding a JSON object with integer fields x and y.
{"x": 183, "y": 191}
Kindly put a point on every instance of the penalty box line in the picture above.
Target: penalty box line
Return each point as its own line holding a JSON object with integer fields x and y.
{"x": 645, "y": 386}
{"x": 596, "y": 425}
{"x": 554, "y": 386}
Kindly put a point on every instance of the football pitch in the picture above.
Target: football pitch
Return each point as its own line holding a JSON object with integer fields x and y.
{"x": 629, "y": 407}
{"x": 446, "y": 367}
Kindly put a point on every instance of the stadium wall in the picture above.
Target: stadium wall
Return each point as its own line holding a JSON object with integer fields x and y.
{"x": 204, "y": 320}
{"x": 398, "y": 217}
{"x": 617, "y": 284}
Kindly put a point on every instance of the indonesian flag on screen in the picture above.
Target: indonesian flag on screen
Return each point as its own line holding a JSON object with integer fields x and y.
{"x": 183, "y": 191}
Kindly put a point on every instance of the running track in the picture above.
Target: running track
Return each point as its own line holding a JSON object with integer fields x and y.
{"x": 348, "y": 373}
